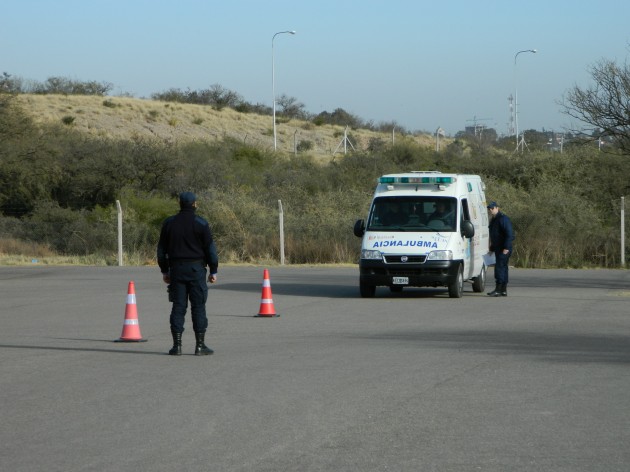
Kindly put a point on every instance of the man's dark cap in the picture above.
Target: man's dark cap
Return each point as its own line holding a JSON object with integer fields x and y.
{"x": 492, "y": 205}
{"x": 187, "y": 198}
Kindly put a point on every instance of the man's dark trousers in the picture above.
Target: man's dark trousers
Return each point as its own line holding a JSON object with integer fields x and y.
{"x": 501, "y": 268}
{"x": 188, "y": 281}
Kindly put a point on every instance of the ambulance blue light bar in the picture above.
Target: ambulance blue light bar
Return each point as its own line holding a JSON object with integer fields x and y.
{"x": 417, "y": 180}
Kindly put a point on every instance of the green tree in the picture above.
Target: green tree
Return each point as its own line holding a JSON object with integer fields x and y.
{"x": 338, "y": 117}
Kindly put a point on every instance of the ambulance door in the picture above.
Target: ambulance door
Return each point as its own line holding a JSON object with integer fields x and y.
{"x": 468, "y": 243}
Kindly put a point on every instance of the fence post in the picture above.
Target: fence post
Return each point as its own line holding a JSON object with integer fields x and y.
{"x": 120, "y": 246}
{"x": 281, "y": 218}
{"x": 623, "y": 232}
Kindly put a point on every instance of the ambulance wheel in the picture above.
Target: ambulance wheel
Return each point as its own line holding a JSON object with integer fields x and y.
{"x": 456, "y": 289}
{"x": 395, "y": 288}
{"x": 479, "y": 282}
{"x": 367, "y": 291}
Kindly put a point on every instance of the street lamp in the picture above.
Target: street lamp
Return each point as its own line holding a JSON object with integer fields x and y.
{"x": 438, "y": 132}
{"x": 273, "y": 86}
{"x": 516, "y": 95}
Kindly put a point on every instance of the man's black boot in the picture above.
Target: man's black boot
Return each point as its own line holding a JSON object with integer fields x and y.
{"x": 200, "y": 348}
{"x": 176, "y": 350}
{"x": 504, "y": 290}
{"x": 496, "y": 292}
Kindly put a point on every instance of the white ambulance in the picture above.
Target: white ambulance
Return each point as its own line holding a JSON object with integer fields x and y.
{"x": 424, "y": 229}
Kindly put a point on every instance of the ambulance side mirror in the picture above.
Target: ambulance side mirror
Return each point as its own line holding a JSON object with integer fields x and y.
{"x": 467, "y": 229}
{"x": 359, "y": 228}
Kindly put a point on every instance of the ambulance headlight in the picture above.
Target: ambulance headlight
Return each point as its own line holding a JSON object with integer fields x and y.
{"x": 440, "y": 256}
{"x": 371, "y": 254}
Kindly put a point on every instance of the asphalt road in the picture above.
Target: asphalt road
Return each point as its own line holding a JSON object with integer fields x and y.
{"x": 417, "y": 381}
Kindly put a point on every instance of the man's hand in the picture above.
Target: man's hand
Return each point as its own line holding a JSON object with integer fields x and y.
{"x": 212, "y": 278}
{"x": 166, "y": 278}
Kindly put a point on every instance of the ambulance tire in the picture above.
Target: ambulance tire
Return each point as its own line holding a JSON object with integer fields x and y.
{"x": 456, "y": 289}
{"x": 479, "y": 282}
{"x": 367, "y": 291}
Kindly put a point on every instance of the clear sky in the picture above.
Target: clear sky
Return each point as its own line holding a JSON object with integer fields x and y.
{"x": 422, "y": 64}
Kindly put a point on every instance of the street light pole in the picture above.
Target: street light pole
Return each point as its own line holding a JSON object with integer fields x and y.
{"x": 273, "y": 87}
{"x": 516, "y": 95}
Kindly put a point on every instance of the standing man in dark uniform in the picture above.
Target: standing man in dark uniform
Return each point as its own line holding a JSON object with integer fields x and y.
{"x": 501, "y": 237}
{"x": 185, "y": 249}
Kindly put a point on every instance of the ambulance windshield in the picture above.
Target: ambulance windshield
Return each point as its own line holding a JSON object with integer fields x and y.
{"x": 417, "y": 213}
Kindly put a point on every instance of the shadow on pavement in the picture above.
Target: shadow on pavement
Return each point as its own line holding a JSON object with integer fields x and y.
{"x": 574, "y": 348}
{"x": 83, "y": 349}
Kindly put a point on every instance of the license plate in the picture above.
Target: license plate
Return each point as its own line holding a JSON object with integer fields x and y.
{"x": 400, "y": 280}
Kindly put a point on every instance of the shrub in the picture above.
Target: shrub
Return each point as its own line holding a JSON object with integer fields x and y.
{"x": 152, "y": 115}
{"x": 305, "y": 145}
{"x": 110, "y": 103}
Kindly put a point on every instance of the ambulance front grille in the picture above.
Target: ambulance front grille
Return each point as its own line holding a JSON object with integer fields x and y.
{"x": 389, "y": 259}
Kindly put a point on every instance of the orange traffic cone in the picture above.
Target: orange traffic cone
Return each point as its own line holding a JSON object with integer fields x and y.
{"x": 266, "y": 303}
{"x": 131, "y": 327}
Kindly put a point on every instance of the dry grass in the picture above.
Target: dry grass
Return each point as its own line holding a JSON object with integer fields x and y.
{"x": 125, "y": 118}
{"x": 28, "y": 249}
{"x": 15, "y": 252}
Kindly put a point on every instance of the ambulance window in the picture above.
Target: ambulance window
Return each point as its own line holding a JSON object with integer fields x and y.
{"x": 465, "y": 210}
{"x": 413, "y": 213}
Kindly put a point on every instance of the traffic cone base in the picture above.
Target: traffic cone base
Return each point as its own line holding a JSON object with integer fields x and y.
{"x": 131, "y": 326}
{"x": 267, "y": 310}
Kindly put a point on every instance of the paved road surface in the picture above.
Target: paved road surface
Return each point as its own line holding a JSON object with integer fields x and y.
{"x": 537, "y": 381}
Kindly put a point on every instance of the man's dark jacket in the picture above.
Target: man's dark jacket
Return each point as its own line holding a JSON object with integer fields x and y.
{"x": 501, "y": 233}
{"x": 186, "y": 236}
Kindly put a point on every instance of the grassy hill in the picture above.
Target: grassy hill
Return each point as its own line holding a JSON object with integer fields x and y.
{"x": 58, "y": 190}
{"x": 127, "y": 118}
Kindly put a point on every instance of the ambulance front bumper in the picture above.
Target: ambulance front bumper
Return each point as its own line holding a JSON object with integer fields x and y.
{"x": 426, "y": 274}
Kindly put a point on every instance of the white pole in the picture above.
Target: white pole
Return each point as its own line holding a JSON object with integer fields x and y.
{"x": 516, "y": 103}
{"x": 281, "y": 218}
{"x": 516, "y": 97}
{"x": 273, "y": 87}
{"x": 120, "y": 246}
{"x": 623, "y": 232}
{"x": 273, "y": 91}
